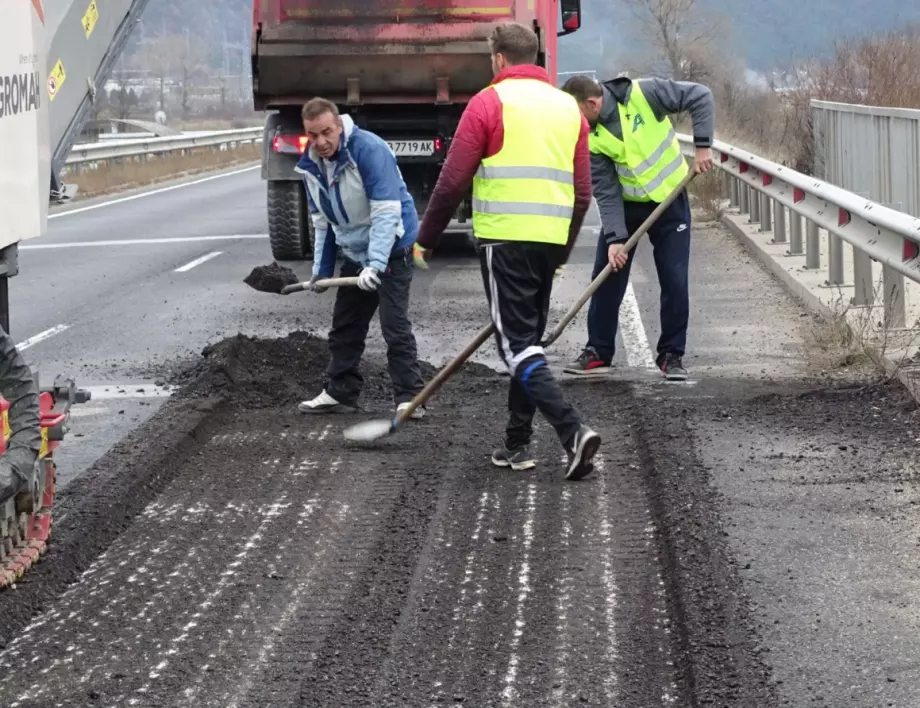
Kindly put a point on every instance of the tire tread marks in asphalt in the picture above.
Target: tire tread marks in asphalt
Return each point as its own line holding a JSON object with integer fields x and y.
{"x": 278, "y": 566}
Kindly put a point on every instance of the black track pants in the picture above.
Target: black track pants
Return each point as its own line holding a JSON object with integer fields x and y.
{"x": 518, "y": 278}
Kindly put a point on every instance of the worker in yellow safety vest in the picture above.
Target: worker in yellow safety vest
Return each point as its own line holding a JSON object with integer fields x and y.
{"x": 636, "y": 162}
{"x": 523, "y": 145}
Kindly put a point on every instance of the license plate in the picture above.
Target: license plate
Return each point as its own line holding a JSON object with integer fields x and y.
{"x": 411, "y": 148}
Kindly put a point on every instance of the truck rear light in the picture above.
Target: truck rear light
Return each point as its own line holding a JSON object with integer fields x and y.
{"x": 290, "y": 144}
{"x": 437, "y": 144}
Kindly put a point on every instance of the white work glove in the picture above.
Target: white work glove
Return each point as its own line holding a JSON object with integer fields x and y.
{"x": 368, "y": 279}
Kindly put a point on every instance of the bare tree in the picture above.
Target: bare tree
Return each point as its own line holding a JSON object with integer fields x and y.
{"x": 173, "y": 59}
{"x": 686, "y": 43}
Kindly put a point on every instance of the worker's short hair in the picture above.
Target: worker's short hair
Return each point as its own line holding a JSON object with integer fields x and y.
{"x": 316, "y": 107}
{"x": 516, "y": 42}
{"x": 582, "y": 88}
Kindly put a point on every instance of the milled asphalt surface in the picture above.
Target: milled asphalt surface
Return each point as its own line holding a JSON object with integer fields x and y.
{"x": 749, "y": 540}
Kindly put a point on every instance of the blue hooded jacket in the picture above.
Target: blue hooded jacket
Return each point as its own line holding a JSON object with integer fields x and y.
{"x": 366, "y": 210}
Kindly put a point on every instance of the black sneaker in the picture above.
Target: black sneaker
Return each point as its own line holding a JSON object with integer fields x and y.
{"x": 581, "y": 453}
{"x": 672, "y": 367}
{"x": 518, "y": 458}
{"x": 588, "y": 363}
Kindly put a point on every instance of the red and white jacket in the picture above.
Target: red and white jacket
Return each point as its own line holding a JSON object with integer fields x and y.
{"x": 479, "y": 135}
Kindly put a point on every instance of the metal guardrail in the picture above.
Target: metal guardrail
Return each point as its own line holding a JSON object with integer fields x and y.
{"x": 766, "y": 190}
{"x": 870, "y": 151}
{"x": 153, "y": 146}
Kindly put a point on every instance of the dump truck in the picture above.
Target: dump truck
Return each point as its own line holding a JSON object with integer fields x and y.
{"x": 404, "y": 69}
{"x": 52, "y": 59}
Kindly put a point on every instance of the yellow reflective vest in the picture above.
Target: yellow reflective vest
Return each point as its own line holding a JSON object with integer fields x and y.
{"x": 648, "y": 159}
{"x": 526, "y": 191}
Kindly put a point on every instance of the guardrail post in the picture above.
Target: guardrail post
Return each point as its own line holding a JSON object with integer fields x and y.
{"x": 895, "y": 304}
{"x": 726, "y": 186}
{"x": 795, "y": 234}
{"x": 745, "y": 194}
{"x": 765, "y": 219}
{"x": 733, "y": 199}
{"x": 862, "y": 279}
{"x": 779, "y": 222}
{"x": 893, "y": 285}
{"x": 754, "y": 201}
{"x": 813, "y": 246}
{"x": 834, "y": 260}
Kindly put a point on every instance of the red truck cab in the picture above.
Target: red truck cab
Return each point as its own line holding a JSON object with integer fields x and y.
{"x": 404, "y": 69}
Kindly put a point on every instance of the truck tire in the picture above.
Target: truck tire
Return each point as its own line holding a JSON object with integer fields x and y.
{"x": 290, "y": 231}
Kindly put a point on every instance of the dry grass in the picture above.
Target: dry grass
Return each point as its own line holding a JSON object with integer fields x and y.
{"x": 832, "y": 346}
{"x": 856, "y": 340}
{"x": 706, "y": 194}
{"x": 128, "y": 175}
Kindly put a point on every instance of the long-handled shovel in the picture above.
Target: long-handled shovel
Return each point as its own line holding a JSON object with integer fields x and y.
{"x": 327, "y": 283}
{"x": 371, "y": 430}
{"x": 627, "y": 247}
{"x": 375, "y": 429}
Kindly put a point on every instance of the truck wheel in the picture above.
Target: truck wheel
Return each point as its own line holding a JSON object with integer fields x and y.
{"x": 290, "y": 230}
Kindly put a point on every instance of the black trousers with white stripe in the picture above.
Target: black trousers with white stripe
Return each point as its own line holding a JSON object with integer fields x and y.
{"x": 518, "y": 278}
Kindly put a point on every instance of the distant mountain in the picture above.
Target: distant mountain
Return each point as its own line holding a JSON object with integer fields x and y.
{"x": 769, "y": 33}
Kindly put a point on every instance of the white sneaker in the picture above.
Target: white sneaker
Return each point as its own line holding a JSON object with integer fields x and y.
{"x": 417, "y": 414}
{"x": 324, "y": 403}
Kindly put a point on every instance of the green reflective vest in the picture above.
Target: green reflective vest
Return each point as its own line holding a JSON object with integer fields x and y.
{"x": 526, "y": 191}
{"x": 648, "y": 159}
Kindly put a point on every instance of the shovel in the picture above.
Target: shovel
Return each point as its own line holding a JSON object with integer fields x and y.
{"x": 327, "y": 283}
{"x": 371, "y": 430}
{"x": 608, "y": 269}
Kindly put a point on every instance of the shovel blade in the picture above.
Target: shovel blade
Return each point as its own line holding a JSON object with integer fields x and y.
{"x": 368, "y": 430}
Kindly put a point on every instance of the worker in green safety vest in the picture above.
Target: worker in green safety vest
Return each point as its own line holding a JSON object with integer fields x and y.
{"x": 636, "y": 162}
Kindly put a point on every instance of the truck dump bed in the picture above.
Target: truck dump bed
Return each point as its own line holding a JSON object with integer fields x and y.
{"x": 366, "y": 51}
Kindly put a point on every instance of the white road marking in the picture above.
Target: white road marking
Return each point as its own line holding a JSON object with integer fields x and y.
{"x": 85, "y": 412}
{"x": 198, "y": 261}
{"x": 638, "y": 351}
{"x": 161, "y": 190}
{"x": 140, "y": 241}
{"x": 134, "y": 390}
{"x": 41, "y": 337}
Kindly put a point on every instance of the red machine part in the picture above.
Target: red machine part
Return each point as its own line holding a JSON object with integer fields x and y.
{"x": 25, "y": 522}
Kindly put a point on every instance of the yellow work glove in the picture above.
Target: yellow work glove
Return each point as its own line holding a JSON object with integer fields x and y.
{"x": 419, "y": 255}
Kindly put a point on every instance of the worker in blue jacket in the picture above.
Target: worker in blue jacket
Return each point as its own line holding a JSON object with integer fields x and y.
{"x": 359, "y": 202}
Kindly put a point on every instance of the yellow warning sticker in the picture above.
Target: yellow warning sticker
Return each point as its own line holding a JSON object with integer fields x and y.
{"x": 90, "y": 18}
{"x": 56, "y": 79}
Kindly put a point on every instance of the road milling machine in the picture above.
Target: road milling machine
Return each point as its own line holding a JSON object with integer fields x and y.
{"x": 54, "y": 56}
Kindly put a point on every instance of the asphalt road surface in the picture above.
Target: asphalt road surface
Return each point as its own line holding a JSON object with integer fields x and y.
{"x": 748, "y": 539}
